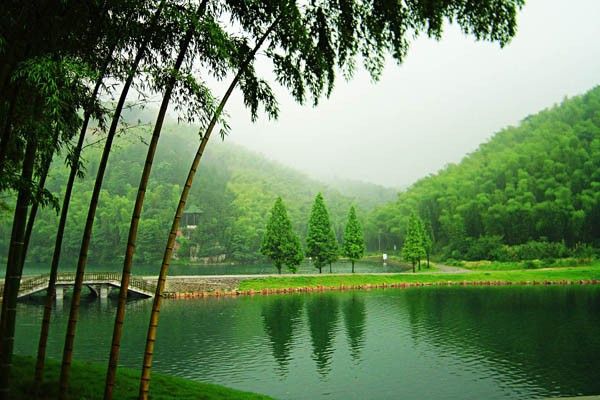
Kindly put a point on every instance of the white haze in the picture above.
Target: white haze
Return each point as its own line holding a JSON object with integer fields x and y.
{"x": 446, "y": 99}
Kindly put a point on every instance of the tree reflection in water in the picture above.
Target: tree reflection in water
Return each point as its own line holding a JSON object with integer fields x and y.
{"x": 322, "y": 313}
{"x": 281, "y": 315}
{"x": 354, "y": 317}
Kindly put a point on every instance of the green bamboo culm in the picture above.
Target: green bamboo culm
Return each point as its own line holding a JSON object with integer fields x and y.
{"x": 164, "y": 269}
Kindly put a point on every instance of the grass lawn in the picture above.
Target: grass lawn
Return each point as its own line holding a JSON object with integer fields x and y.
{"x": 514, "y": 276}
{"x": 87, "y": 382}
{"x": 529, "y": 264}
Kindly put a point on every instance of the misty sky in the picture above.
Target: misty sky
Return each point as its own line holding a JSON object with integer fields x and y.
{"x": 447, "y": 98}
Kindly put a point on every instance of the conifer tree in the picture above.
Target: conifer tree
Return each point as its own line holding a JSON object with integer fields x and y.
{"x": 413, "y": 250}
{"x": 354, "y": 242}
{"x": 318, "y": 240}
{"x": 280, "y": 243}
{"x": 333, "y": 249}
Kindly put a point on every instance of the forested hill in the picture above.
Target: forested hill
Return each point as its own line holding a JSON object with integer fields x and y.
{"x": 368, "y": 195}
{"x": 234, "y": 190}
{"x": 538, "y": 181}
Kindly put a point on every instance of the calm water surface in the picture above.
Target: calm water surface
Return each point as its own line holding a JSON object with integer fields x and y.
{"x": 443, "y": 343}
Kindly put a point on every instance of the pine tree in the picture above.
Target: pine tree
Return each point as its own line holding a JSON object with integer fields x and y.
{"x": 333, "y": 249}
{"x": 354, "y": 242}
{"x": 319, "y": 245}
{"x": 413, "y": 249}
{"x": 294, "y": 253}
{"x": 280, "y": 243}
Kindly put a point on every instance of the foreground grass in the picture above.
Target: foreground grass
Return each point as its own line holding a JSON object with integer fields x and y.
{"x": 87, "y": 382}
{"x": 513, "y": 276}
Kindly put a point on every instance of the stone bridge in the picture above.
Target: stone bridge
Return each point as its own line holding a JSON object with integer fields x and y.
{"x": 100, "y": 283}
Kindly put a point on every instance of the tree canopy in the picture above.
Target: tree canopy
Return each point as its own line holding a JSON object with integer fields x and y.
{"x": 280, "y": 243}
{"x": 531, "y": 191}
{"x": 413, "y": 250}
{"x": 354, "y": 242}
{"x": 319, "y": 241}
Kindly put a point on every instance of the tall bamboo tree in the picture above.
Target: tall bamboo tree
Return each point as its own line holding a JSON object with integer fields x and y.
{"x": 14, "y": 270}
{"x": 48, "y": 117}
{"x": 154, "y": 317}
{"x": 87, "y": 233}
{"x": 139, "y": 201}
{"x": 51, "y": 289}
{"x": 34, "y": 208}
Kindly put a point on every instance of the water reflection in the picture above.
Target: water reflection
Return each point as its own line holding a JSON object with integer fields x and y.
{"x": 544, "y": 338}
{"x": 281, "y": 315}
{"x": 322, "y": 313}
{"x": 452, "y": 343}
{"x": 355, "y": 317}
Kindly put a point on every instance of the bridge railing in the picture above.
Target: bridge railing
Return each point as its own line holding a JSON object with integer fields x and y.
{"x": 33, "y": 282}
{"x": 142, "y": 284}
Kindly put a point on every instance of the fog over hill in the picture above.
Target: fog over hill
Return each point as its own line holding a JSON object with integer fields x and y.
{"x": 234, "y": 191}
{"x": 440, "y": 104}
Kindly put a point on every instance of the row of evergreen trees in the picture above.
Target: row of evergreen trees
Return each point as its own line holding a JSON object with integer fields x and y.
{"x": 282, "y": 245}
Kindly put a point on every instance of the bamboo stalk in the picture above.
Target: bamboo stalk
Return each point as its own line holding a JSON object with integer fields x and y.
{"x": 87, "y": 234}
{"x": 14, "y": 270}
{"x": 164, "y": 269}
{"x": 137, "y": 211}
{"x": 64, "y": 211}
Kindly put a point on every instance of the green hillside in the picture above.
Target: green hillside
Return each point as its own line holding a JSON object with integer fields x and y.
{"x": 368, "y": 195}
{"x": 234, "y": 190}
{"x": 534, "y": 183}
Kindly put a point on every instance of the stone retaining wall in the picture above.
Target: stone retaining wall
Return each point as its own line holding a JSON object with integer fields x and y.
{"x": 228, "y": 286}
{"x": 187, "y": 284}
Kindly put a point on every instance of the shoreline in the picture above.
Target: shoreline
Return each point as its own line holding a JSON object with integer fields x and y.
{"x": 204, "y": 286}
{"x": 274, "y": 284}
{"x": 84, "y": 383}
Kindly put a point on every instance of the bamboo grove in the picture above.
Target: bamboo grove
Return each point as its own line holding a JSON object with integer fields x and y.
{"x": 67, "y": 67}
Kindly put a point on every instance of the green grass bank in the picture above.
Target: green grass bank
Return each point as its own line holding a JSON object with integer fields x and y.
{"x": 565, "y": 275}
{"x": 527, "y": 264}
{"x": 87, "y": 382}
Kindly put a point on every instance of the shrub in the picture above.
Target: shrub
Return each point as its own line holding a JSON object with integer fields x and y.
{"x": 483, "y": 248}
{"x": 532, "y": 250}
{"x": 454, "y": 263}
{"x": 583, "y": 250}
{"x": 548, "y": 262}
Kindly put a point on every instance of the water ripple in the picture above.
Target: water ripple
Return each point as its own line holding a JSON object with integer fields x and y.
{"x": 452, "y": 343}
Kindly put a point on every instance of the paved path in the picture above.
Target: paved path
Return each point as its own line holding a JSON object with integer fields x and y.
{"x": 451, "y": 270}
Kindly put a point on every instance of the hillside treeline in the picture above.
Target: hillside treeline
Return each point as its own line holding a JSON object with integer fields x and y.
{"x": 533, "y": 188}
{"x": 234, "y": 193}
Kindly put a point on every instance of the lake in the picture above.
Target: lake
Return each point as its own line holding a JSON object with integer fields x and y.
{"x": 417, "y": 343}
